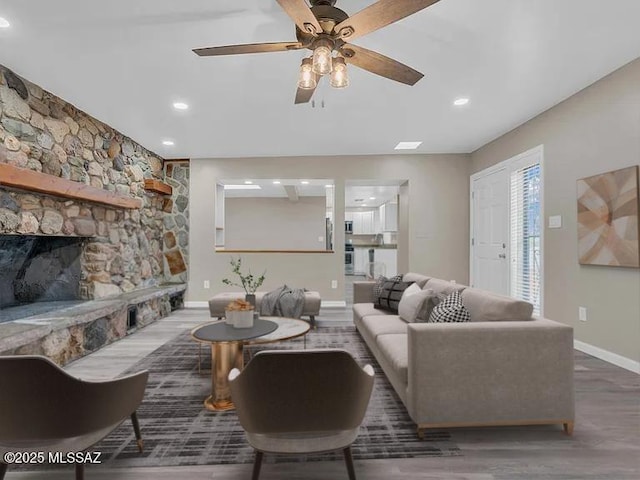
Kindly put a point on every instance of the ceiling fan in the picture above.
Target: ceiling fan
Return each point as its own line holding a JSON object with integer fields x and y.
{"x": 325, "y": 29}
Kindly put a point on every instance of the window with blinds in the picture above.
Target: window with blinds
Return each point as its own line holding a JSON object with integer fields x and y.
{"x": 525, "y": 235}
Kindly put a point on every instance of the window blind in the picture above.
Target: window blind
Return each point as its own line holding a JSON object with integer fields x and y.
{"x": 525, "y": 235}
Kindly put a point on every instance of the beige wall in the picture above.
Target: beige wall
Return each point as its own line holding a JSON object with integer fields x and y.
{"x": 275, "y": 223}
{"x": 436, "y": 228}
{"x": 594, "y": 131}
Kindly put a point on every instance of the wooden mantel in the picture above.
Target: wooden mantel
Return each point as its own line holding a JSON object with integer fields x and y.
{"x": 24, "y": 179}
{"x": 153, "y": 185}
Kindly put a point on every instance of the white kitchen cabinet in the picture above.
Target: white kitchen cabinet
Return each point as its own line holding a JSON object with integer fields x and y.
{"x": 219, "y": 214}
{"x": 348, "y": 216}
{"x": 389, "y": 258}
{"x": 364, "y": 223}
{"x": 389, "y": 217}
{"x": 360, "y": 260}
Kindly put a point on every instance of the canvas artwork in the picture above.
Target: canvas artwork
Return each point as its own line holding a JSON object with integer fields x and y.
{"x": 608, "y": 219}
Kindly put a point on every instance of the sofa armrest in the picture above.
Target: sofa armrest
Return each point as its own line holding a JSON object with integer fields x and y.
{"x": 363, "y": 291}
{"x": 490, "y": 372}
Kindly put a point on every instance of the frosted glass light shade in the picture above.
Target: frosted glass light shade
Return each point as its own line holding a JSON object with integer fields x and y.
{"x": 306, "y": 77}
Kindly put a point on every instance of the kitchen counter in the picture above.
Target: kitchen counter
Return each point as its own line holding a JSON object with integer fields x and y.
{"x": 370, "y": 245}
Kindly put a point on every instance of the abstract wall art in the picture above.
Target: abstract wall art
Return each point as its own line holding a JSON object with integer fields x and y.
{"x": 608, "y": 219}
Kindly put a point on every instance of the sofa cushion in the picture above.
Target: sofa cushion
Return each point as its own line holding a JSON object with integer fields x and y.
{"x": 361, "y": 310}
{"x": 417, "y": 306}
{"x": 395, "y": 349}
{"x": 383, "y": 324}
{"x": 415, "y": 277}
{"x": 444, "y": 286}
{"x": 487, "y": 306}
{"x": 390, "y": 296}
{"x": 450, "y": 310}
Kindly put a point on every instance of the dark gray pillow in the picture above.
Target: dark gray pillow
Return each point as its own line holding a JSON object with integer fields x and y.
{"x": 377, "y": 288}
{"x": 390, "y": 295}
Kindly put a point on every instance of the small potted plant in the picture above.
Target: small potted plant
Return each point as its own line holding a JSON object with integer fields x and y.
{"x": 248, "y": 282}
{"x": 239, "y": 314}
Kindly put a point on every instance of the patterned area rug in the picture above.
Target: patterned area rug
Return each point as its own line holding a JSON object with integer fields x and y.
{"x": 177, "y": 430}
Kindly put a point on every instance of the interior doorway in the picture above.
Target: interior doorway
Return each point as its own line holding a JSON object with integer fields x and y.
{"x": 506, "y": 228}
{"x": 371, "y": 228}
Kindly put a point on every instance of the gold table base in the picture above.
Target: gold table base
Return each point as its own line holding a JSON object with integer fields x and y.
{"x": 225, "y": 356}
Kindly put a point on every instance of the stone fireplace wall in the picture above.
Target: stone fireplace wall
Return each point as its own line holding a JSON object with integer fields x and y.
{"x": 39, "y": 131}
{"x": 176, "y": 236}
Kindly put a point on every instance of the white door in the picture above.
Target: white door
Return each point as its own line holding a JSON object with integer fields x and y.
{"x": 490, "y": 235}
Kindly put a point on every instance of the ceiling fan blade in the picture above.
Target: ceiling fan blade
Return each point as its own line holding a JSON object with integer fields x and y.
{"x": 247, "y": 48}
{"x": 379, "y": 64}
{"x": 378, "y": 15}
{"x": 303, "y": 95}
{"x": 302, "y": 15}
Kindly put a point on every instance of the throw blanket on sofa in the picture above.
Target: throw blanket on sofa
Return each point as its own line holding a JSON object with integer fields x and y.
{"x": 283, "y": 302}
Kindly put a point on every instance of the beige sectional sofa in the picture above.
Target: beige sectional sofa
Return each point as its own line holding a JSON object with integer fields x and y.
{"x": 504, "y": 367}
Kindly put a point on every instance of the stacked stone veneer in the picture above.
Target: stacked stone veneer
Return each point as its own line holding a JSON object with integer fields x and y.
{"x": 41, "y": 132}
{"x": 123, "y": 249}
{"x": 176, "y": 221}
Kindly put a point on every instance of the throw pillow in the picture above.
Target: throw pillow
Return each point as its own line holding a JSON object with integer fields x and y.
{"x": 391, "y": 294}
{"x": 412, "y": 304}
{"x": 431, "y": 299}
{"x": 450, "y": 309}
{"x": 411, "y": 290}
{"x": 377, "y": 288}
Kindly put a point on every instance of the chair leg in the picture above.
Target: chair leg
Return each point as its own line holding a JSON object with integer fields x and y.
{"x": 257, "y": 463}
{"x": 3, "y": 469}
{"x": 136, "y": 430}
{"x": 313, "y": 321}
{"x": 79, "y": 471}
{"x": 348, "y": 459}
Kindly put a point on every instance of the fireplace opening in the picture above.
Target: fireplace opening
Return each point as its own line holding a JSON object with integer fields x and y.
{"x": 38, "y": 274}
{"x": 132, "y": 318}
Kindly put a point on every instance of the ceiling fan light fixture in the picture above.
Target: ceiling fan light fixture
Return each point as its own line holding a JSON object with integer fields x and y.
{"x": 339, "y": 76}
{"x": 306, "y": 78}
{"x": 322, "y": 59}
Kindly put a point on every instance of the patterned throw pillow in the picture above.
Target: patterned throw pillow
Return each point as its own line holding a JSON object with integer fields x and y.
{"x": 391, "y": 294}
{"x": 450, "y": 309}
{"x": 377, "y": 288}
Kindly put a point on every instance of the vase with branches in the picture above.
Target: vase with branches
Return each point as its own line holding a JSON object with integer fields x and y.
{"x": 249, "y": 282}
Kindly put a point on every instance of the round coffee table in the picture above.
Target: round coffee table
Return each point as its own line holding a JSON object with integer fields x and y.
{"x": 227, "y": 350}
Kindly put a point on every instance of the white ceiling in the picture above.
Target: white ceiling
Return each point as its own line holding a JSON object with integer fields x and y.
{"x": 126, "y": 61}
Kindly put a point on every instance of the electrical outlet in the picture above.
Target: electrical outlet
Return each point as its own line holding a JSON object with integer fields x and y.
{"x": 207, "y": 284}
{"x": 582, "y": 314}
{"x": 334, "y": 283}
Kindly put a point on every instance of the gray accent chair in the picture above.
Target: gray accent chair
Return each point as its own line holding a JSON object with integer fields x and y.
{"x": 43, "y": 408}
{"x": 301, "y": 401}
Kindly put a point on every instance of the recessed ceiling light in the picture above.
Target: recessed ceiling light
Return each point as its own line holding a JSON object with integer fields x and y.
{"x": 242, "y": 187}
{"x": 168, "y": 143}
{"x": 364, "y": 204}
{"x": 407, "y": 145}
{"x": 328, "y": 186}
{"x": 458, "y": 102}
{"x": 372, "y": 198}
{"x": 248, "y": 182}
{"x": 180, "y": 106}
{"x": 4, "y": 23}
{"x": 276, "y": 182}
{"x": 304, "y": 182}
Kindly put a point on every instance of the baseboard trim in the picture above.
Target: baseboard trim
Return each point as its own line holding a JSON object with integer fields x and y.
{"x": 196, "y": 304}
{"x": 607, "y": 356}
{"x": 333, "y": 304}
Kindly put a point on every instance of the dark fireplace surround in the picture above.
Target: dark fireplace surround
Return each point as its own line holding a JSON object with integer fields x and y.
{"x": 39, "y": 270}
